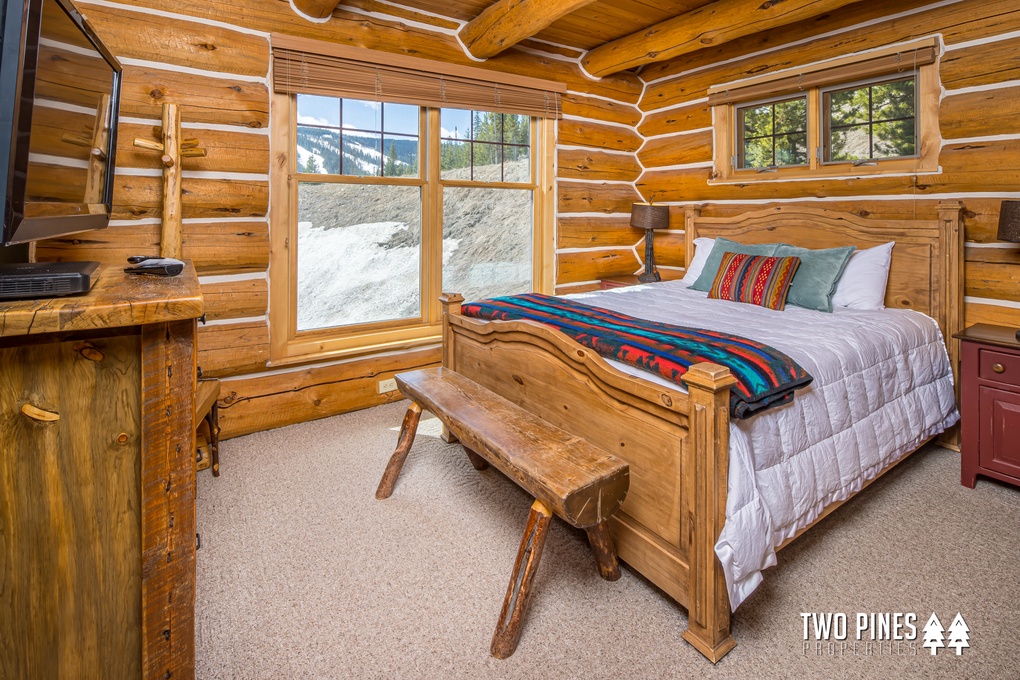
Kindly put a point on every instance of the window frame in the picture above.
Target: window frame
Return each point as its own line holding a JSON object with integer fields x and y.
{"x": 826, "y": 119}
{"x": 739, "y": 130}
{"x": 726, "y": 168}
{"x": 290, "y": 346}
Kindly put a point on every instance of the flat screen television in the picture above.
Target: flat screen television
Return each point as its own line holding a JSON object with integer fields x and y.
{"x": 59, "y": 103}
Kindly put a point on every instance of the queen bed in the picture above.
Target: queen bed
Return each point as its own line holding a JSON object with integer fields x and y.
{"x": 712, "y": 498}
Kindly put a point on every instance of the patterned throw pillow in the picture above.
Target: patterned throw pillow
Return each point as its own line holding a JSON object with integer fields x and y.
{"x": 755, "y": 279}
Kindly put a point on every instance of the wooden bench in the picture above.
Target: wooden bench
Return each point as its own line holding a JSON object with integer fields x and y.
{"x": 566, "y": 475}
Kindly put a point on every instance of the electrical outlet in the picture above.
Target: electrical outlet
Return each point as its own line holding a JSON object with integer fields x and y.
{"x": 387, "y": 386}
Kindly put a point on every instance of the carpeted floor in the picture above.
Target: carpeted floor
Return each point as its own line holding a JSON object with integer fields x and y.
{"x": 303, "y": 574}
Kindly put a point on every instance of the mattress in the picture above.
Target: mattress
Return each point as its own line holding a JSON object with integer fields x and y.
{"x": 882, "y": 385}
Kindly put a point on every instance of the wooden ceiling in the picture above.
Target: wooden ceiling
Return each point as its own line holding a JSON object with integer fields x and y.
{"x": 609, "y": 35}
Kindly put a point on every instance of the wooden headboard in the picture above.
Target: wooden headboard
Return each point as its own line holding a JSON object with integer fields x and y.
{"x": 926, "y": 272}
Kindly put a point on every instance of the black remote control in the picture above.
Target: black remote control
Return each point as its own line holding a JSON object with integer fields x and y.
{"x": 158, "y": 266}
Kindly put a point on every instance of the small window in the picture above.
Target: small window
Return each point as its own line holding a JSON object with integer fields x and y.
{"x": 871, "y": 121}
{"x": 772, "y": 134}
{"x": 482, "y": 146}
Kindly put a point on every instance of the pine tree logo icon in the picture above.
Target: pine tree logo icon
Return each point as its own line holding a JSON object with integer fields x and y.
{"x": 933, "y": 637}
{"x": 959, "y": 634}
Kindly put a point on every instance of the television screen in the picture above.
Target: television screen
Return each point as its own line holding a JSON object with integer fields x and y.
{"x": 63, "y": 127}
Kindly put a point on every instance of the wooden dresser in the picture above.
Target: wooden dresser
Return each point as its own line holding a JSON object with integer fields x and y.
{"x": 97, "y": 485}
{"x": 990, "y": 397}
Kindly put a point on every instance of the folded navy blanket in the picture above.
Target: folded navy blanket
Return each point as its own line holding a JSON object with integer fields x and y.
{"x": 765, "y": 376}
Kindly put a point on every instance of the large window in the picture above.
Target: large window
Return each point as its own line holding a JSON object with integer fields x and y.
{"x": 385, "y": 205}
{"x": 872, "y": 113}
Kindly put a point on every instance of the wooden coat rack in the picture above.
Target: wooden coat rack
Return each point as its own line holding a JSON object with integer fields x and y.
{"x": 173, "y": 148}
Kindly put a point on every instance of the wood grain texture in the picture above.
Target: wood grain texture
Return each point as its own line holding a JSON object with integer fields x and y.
{"x": 141, "y": 197}
{"x": 507, "y": 22}
{"x": 208, "y": 100}
{"x": 981, "y": 113}
{"x": 226, "y": 151}
{"x": 168, "y": 499}
{"x": 575, "y": 104}
{"x": 595, "y": 135}
{"x": 580, "y": 483}
{"x": 116, "y": 300}
{"x": 721, "y": 21}
{"x": 212, "y": 248}
{"x": 318, "y": 9}
{"x": 596, "y": 165}
{"x": 232, "y": 349}
{"x": 69, "y": 521}
{"x": 179, "y": 43}
{"x": 408, "y": 428}
{"x": 677, "y": 150}
{"x": 236, "y": 299}
{"x": 676, "y": 119}
{"x": 252, "y": 404}
{"x": 597, "y": 264}
{"x": 986, "y": 64}
{"x": 595, "y": 197}
{"x": 596, "y": 231}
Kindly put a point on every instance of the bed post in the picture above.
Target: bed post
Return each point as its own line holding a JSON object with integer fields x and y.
{"x": 451, "y": 305}
{"x": 951, "y": 311}
{"x": 706, "y": 470}
{"x": 691, "y": 213}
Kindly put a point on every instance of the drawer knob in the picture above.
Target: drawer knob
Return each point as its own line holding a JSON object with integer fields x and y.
{"x": 998, "y": 368}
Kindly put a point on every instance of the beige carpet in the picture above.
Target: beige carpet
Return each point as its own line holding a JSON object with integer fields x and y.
{"x": 303, "y": 574}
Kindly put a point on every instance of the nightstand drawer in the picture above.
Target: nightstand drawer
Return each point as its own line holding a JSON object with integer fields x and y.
{"x": 1001, "y": 367}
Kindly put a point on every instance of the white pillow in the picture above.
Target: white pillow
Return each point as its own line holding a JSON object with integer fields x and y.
{"x": 862, "y": 285}
{"x": 702, "y": 249}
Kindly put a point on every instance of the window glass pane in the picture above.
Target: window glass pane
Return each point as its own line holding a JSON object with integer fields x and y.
{"x": 486, "y": 126}
{"x": 757, "y": 153}
{"x": 516, "y": 129}
{"x": 893, "y": 100}
{"x": 362, "y": 115}
{"x": 486, "y": 164}
{"x": 358, "y": 256}
{"x": 757, "y": 121}
{"x": 894, "y": 139}
{"x": 315, "y": 110}
{"x": 791, "y": 116}
{"x": 848, "y": 107}
{"x": 402, "y": 118}
{"x": 791, "y": 149}
{"x": 362, "y": 154}
{"x": 487, "y": 241}
{"x": 850, "y": 144}
{"x": 516, "y": 164}
{"x": 318, "y": 150}
{"x": 401, "y": 158}
{"x": 455, "y": 160}
{"x": 455, "y": 124}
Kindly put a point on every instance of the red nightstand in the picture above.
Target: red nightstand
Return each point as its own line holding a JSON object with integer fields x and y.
{"x": 990, "y": 397}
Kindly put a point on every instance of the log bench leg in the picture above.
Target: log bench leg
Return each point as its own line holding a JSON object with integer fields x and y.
{"x": 477, "y": 461}
{"x": 601, "y": 542}
{"x": 407, "y": 431}
{"x": 515, "y": 605}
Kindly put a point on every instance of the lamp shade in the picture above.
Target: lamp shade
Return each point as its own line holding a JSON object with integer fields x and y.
{"x": 1009, "y": 221}
{"x": 648, "y": 216}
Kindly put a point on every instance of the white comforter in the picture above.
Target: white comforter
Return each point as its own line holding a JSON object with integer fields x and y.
{"x": 882, "y": 385}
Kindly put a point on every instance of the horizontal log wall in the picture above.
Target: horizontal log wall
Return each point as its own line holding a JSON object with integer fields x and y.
{"x": 979, "y": 121}
{"x": 212, "y": 58}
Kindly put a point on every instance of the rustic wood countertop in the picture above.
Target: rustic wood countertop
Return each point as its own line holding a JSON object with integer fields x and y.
{"x": 116, "y": 300}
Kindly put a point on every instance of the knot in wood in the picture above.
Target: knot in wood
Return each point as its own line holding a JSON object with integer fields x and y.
{"x": 156, "y": 94}
{"x": 122, "y": 438}
{"x": 518, "y": 379}
{"x": 666, "y": 399}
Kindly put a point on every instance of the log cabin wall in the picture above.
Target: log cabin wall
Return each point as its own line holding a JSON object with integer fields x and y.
{"x": 979, "y": 121}
{"x": 212, "y": 58}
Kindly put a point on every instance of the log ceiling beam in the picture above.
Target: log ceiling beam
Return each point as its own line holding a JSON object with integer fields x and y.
{"x": 713, "y": 24}
{"x": 507, "y": 22}
{"x": 316, "y": 9}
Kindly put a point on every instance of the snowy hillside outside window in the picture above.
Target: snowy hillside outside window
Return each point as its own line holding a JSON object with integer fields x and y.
{"x": 379, "y": 230}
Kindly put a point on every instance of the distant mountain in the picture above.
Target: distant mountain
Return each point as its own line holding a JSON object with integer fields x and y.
{"x": 319, "y": 151}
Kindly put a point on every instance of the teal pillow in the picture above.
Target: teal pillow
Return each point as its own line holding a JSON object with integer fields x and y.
{"x": 724, "y": 245}
{"x": 815, "y": 282}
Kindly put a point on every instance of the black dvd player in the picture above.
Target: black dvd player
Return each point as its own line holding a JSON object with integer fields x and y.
{"x": 45, "y": 279}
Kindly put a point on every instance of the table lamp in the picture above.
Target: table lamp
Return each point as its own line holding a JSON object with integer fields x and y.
{"x": 1009, "y": 226}
{"x": 650, "y": 217}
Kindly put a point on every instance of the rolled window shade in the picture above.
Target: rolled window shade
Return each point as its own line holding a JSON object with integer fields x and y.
{"x": 905, "y": 61}
{"x": 302, "y": 66}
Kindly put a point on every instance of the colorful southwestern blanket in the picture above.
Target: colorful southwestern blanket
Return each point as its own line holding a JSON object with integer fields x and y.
{"x": 765, "y": 376}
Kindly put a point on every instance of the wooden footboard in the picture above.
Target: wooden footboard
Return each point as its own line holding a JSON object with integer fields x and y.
{"x": 677, "y": 446}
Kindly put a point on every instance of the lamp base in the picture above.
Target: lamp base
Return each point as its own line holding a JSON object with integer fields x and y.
{"x": 652, "y": 277}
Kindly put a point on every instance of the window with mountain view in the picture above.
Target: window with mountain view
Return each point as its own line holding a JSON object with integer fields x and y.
{"x": 392, "y": 203}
